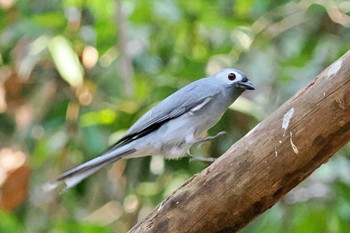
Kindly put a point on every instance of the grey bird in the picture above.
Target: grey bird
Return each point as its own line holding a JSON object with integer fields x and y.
{"x": 171, "y": 127}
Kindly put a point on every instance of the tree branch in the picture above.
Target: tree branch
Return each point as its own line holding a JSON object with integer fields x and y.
{"x": 264, "y": 165}
{"x": 125, "y": 67}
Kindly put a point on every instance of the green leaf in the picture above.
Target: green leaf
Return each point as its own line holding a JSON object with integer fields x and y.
{"x": 103, "y": 117}
{"x": 9, "y": 223}
{"x": 66, "y": 61}
{"x": 50, "y": 19}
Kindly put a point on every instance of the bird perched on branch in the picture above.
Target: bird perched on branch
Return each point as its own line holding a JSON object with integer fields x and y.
{"x": 172, "y": 126}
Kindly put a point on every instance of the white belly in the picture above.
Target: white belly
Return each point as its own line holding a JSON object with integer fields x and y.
{"x": 175, "y": 137}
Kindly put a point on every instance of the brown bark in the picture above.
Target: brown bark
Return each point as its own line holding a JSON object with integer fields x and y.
{"x": 265, "y": 164}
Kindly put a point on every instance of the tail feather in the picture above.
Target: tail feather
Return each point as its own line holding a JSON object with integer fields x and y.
{"x": 76, "y": 175}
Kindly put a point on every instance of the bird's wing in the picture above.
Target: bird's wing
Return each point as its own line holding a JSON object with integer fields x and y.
{"x": 190, "y": 97}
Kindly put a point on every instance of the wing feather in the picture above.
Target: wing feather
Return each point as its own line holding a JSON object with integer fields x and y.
{"x": 175, "y": 105}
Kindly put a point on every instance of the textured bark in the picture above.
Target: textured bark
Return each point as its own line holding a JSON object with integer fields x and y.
{"x": 264, "y": 165}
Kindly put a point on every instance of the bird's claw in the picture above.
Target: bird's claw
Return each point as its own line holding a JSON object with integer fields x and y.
{"x": 201, "y": 159}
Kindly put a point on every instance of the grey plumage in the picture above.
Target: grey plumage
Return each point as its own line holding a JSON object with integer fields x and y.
{"x": 172, "y": 126}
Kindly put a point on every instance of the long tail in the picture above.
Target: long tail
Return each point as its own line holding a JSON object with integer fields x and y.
{"x": 76, "y": 175}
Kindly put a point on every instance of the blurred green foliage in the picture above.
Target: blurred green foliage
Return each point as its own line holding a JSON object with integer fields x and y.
{"x": 74, "y": 76}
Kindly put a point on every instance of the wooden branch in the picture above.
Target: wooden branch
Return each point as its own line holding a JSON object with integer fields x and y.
{"x": 125, "y": 68}
{"x": 264, "y": 165}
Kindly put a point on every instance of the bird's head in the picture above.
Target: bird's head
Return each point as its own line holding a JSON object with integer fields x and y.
{"x": 234, "y": 78}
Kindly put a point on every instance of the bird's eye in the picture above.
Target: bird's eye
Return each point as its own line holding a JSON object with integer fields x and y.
{"x": 231, "y": 76}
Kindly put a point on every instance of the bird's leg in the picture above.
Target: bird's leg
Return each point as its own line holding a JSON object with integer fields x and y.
{"x": 201, "y": 140}
{"x": 203, "y": 159}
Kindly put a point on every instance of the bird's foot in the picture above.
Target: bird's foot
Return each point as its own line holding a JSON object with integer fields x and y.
{"x": 202, "y": 140}
{"x": 201, "y": 159}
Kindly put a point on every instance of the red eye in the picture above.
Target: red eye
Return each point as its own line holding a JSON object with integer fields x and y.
{"x": 231, "y": 76}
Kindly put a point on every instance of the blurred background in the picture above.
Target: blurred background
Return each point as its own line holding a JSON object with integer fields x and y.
{"x": 75, "y": 74}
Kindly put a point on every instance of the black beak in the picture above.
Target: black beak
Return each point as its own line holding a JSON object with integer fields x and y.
{"x": 245, "y": 84}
